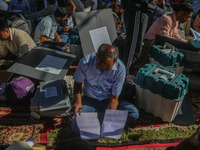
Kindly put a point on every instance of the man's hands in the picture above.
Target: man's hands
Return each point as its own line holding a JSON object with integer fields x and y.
{"x": 44, "y": 40}
{"x": 66, "y": 29}
{"x": 58, "y": 39}
{"x": 113, "y": 102}
{"x": 190, "y": 40}
{"x": 119, "y": 26}
{"x": 76, "y": 108}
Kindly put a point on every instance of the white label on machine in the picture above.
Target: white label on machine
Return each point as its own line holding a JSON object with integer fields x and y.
{"x": 50, "y": 92}
{"x": 167, "y": 50}
{"x": 52, "y": 64}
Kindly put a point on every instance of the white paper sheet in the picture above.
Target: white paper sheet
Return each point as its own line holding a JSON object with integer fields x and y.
{"x": 195, "y": 33}
{"x": 167, "y": 50}
{"x": 89, "y": 125}
{"x": 113, "y": 123}
{"x": 51, "y": 64}
{"x": 99, "y": 36}
{"x": 50, "y": 92}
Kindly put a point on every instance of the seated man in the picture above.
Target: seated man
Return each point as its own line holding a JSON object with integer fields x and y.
{"x": 13, "y": 42}
{"x": 46, "y": 31}
{"x": 69, "y": 23}
{"x": 166, "y": 25}
{"x": 103, "y": 75}
{"x": 160, "y": 9}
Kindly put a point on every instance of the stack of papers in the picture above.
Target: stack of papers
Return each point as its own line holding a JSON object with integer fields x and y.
{"x": 112, "y": 126}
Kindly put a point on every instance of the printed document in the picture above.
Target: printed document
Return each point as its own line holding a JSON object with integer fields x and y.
{"x": 52, "y": 64}
{"x": 89, "y": 125}
{"x": 195, "y": 33}
{"x": 113, "y": 123}
{"x": 112, "y": 126}
{"x": 167, "y": 50}
{"x": 99, "y": 36}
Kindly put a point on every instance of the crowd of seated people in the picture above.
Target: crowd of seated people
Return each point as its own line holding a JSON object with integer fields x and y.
{"x": 38, "y": 11}
{"x": 50, "y": 22}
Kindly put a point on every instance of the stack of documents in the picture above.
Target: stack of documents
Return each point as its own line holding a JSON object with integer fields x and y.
{"x": 112, "y": 126}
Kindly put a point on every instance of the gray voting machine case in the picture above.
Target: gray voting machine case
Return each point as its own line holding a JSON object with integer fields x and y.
{"x": 87, "y": 21}
{"x": 51, "y": 98}
{"x": 32, "y": 63}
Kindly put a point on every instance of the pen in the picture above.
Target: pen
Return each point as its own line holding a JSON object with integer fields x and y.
{"x": 73, "y": 112}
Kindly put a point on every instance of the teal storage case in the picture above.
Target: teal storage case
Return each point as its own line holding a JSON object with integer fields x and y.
{"x": 160, "y": 92}
{"x": 143, "y": 73}
{"x": 160, "y": 81}
{"x": 167, "y": 59}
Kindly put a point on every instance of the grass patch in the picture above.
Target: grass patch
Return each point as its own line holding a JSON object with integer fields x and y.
{"x": 168, "y": 132}
{"x": 59, "y": 134}
{"x": 152, "y": 134}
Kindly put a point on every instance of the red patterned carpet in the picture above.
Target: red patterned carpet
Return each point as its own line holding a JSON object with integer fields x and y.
{"x": 156, "y": 146}
{"x": 10, "y": 134}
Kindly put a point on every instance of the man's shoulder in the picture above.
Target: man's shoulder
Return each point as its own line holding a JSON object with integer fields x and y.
{"x": 45, "y": 21}
{"x": 121, "y": 66}
{"x": 18, "y": 31}
{"x": 166, "y": 17}
{"x": 88, "y": 58}
{"x": 15, "y": 31}
{"x": 18, "y": 34}
{"x": 120, "y": 63}
{"x": 49, "y": 17}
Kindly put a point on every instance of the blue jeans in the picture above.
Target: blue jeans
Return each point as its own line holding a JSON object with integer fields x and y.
{"x": 93, "y": 105}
